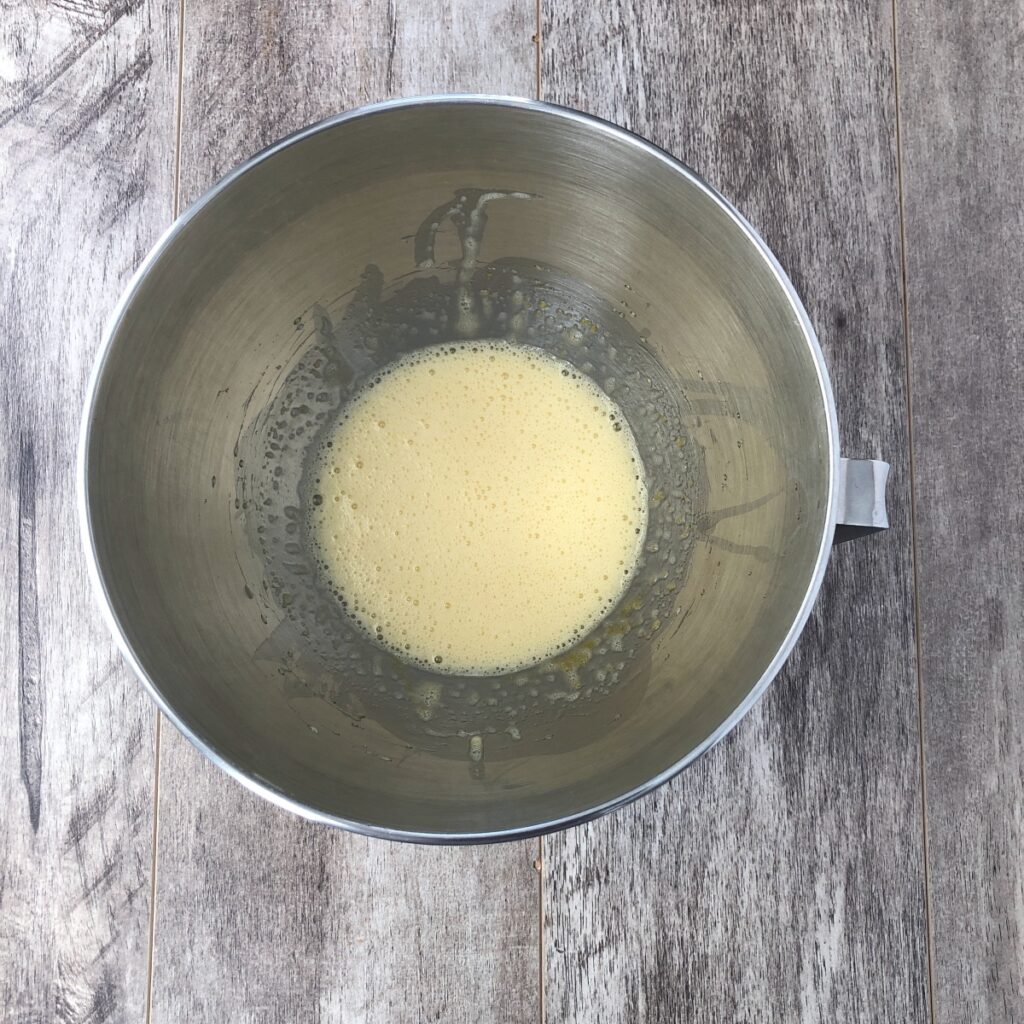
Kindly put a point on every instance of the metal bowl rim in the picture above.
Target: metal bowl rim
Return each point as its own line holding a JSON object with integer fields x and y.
{"x": 254, "y": 781}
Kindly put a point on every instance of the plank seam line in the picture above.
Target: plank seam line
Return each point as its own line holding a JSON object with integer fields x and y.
{"x": 537, "y": 43}
{"x": 152, "y": 872}
{"x": 540, "y": 926}
{"x": 929, "y": 942}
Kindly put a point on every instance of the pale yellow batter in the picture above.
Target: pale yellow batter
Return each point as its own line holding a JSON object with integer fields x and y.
{"x": 479, "y": 507}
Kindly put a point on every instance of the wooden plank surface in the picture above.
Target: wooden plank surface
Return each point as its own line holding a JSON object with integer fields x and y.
{"x": 781, "y": 878}
{"x": 962, "y": 94}
{"x": 283, "y": 920}
{"x": 86, "y": 152}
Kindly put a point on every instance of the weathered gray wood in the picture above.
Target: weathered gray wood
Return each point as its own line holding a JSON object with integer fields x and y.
{"x": 962, "y": 97}
{"x": 781, "y": 878}
{"x": 261, "y": 916}
{"x": 86, "y": 151}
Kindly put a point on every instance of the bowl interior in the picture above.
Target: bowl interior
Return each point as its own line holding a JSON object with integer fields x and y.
{"x": 301, "y": 276}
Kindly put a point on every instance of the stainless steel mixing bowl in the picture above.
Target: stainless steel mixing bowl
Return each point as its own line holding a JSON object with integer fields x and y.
{"x": 292, "y": 282}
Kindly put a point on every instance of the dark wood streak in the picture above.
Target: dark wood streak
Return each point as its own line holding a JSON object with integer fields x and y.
{"x": 134, "y": 74}
{"x": 34, "y": 85}
{"x": 392, "y": 33}
{"x": 781, "y": 877}
{"x": 88, "y": 814}
{"x": 31, "y": 704}
{"x": 962, "y": 97}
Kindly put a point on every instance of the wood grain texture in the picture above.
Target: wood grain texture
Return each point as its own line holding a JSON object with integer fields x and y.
{"x": 86, "y": 152}
{"x": 780, "y": 878}
{"x": 962, "y": 92}
{"x": 283, "y": 920}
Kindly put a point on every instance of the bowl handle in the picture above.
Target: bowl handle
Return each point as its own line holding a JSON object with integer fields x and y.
{"x": 860, "y": 498}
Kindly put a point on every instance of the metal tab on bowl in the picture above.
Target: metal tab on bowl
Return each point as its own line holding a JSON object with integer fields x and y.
{"x": 860, "y": 493}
